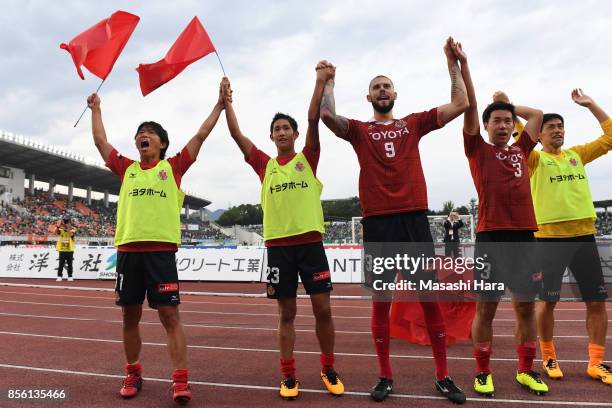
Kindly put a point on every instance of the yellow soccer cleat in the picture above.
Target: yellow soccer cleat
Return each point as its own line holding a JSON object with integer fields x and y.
{"x": 552, "y": 369}
{"x": 600, "y": 372}
{"x": 332, "y": 382}
{"x": 289, "y": 388}
{"x": 483, "y": 384}
{"x": 533, "y": 382}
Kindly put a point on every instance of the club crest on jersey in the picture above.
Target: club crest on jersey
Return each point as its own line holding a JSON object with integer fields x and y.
{"x": 573, "y": 162}
{"x": 162, "y": 175}
{"x": 400, "y": 124}
{"x": 299, "y": 166}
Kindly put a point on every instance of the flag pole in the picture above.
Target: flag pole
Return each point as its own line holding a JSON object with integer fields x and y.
{"x": 84, "y": 110}
{"x": 220, "y": 63}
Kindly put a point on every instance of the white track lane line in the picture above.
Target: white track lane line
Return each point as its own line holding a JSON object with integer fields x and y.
{"x": 307, "y": 390}
{"x": 234, "y": 327}
{"x": 219, "y": 294}
{"x": 268, "y": 304}
{"x": 238, "y": 313}
{"x": 256, "y": 350}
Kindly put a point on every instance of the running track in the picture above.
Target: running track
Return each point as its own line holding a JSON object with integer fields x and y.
{"x": 71, "y": 339}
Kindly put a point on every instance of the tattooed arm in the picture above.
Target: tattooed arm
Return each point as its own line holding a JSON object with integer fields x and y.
{"x": 336, "y": 123}
{"x": 459, "y": 100}
{"x": 470, "y": 117}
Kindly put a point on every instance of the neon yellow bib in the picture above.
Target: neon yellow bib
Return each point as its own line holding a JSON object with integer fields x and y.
{"x": 65, "y": 243}
{"x": 291, "y": 199}
{"x": 560, "y": 188}
{"x": 149, "y": 205}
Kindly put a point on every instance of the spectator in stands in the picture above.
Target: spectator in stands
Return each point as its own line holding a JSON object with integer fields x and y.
{"x": 451, "y": 234}
{"x": 65, "y": 247}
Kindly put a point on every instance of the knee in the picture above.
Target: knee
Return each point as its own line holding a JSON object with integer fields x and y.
{"x": 287, "y": 316}
{"x": 131, "y": 318}
{"x": 322, "y": 313}
{"x": 486, "y": 312}
{"x": 169, "y": 317}
{"x": 524, "y": 310}
{"x": 596, "y": 308}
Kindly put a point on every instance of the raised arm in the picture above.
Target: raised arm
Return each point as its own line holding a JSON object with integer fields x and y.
{"x": 336, "y": 123}
{"x": 584, "y": 100}
{"x": 325, "y": 71}
{"x": 603, "y": 144}
{"x": 470, "y": 116}
{"x": 193, "y": 146}
{"x": 241, "y": 140}
{"x": 459, "y": 99}
{"x": 531, "y": 115}
{"x": 97, "y": 127}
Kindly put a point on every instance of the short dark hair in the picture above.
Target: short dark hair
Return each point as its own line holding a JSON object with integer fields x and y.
{"x": 289, "y": 119}
{"x": 159, "y": 131}
{"x": 379, "y": 76}
{"x": 66, "y": 220}
{"x": 486, "y": 115}
{"x": 550, "y": 116}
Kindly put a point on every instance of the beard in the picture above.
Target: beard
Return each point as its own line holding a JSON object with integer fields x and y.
{"x": 383, "y": 109}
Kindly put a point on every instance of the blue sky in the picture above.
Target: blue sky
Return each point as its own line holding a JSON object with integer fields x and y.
{"x": 535, "y": 51}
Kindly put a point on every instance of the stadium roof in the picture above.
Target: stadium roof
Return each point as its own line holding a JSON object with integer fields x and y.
{"x": 602, "y": 204}
{"x": 47, "y": 162}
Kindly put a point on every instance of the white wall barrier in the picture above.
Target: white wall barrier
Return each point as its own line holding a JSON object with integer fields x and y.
{"x": 241, "y": 264}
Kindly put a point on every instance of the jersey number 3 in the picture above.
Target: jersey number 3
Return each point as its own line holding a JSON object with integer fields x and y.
{"x": 519, "y": 171}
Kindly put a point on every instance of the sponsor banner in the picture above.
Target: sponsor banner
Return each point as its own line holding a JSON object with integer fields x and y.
{"x": 241, "y": 264}
{"x": 42, "y": 262}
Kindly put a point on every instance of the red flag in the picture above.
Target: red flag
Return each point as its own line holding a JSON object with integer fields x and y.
{"x": 192, "y": 44}
{"x": 99, "y": 47}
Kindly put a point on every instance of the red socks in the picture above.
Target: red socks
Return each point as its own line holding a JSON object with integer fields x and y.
{"x": 288, "y": 368}
{"x": 482, "y": 354}
{"x": 380, "y": 334}
{"x": 327, "y": 361}
{"x": 135, "y": 369}
{"x": 437, "y": 336}
{"x": 526, "y": 353}
{"x": 180, "y": 376}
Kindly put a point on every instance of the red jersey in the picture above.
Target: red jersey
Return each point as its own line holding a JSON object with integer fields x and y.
{"x": 179, "y": 163}
{"x": 259, "y": 160}
{"x": 501, "y": 178}
{"x": 391, "y": 178}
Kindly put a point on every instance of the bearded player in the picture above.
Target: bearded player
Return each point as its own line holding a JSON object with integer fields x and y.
{"x": 393, "y": 198}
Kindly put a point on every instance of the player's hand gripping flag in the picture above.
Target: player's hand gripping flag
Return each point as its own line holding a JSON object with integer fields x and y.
{"x": 98, "y": 47}
{"x": 191, "y": 45}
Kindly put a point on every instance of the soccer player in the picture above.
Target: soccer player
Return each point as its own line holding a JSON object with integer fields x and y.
{"x": 293, "y": 228}
{"x": 506, "y": 222}
{"x": 565, "y": 215}
{"x": 147, "y": 237}
{"x": 393, "y": 199}
{"x": 65, "y": 247}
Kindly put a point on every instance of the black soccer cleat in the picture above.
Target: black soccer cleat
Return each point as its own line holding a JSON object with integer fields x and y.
{"x": 448, "y": 389}
{"x": 382, "y": 390}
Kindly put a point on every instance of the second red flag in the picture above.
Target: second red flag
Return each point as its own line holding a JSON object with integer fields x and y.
{"x": 192, "y": 44}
